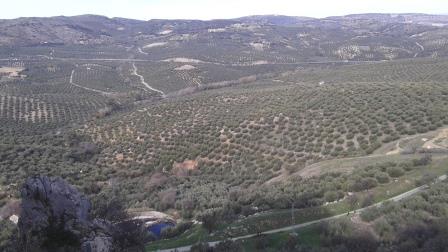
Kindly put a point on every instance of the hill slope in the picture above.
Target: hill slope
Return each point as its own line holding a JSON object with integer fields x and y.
{"x": 246, "y": 40}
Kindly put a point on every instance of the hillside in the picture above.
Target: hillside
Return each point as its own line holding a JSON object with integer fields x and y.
{"x": 247, "y": 40}
{"x": 234, "y": 137}
{"x": 229, "y": 122}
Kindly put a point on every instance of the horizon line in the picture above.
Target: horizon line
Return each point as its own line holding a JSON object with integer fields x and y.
{"x": 233, "y": 18}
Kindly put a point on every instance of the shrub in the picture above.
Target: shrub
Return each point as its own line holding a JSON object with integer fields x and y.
{"x": 8, "y": 236}
{"x": 395, "y": 172}
{"x": 261, "y": 242}
{"x": 330, "y": 196}
{"x": 210, "y": 219}
{"x": 109, "y": 206}
{"x": 228, "y": 246}
{"x": 425, "y": 179}
{"x": 175, "y": 231}
{"x": 425, "y": 160}
{"x": 371, "y": 214}
{"x": 382, "y": 177}
{"x": 363, "y": 184}
{"x": 368, "y": 200}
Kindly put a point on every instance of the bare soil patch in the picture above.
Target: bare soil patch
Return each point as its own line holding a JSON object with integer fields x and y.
{"x": 185, "y": 68}
{"x": 438, "y": 142}
{"x": 12, "y": 72}
{"x": 157, "y": 44}
{"x": 182, "y": 169}
{"x": 182, "y": 60}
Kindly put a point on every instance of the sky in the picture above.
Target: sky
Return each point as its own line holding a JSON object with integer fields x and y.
{"x": 215, "y": 9}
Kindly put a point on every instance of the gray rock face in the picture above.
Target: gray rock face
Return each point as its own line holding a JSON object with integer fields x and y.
{"x": 55, "y": 217}
{"x": 97, "y": 244}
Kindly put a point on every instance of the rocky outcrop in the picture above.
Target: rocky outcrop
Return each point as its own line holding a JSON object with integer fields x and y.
{"x": 55, "y": 217}
{"x": 11, "y": 208}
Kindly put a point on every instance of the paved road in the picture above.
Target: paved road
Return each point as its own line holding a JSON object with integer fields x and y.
{"x": 294, "y": 227}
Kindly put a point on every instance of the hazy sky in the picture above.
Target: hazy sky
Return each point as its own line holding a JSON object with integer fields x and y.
{"x": 213, "y": 9}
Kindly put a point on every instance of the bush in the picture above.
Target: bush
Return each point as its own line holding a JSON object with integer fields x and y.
{"x": 291, "y": 243}
{"x": 425, "y": 160}
{"x": 382, "y": 177}
{"x": 363, "y": 184}
{"x": 407, "y": 166}
{"x": 175, "y": 231}
{"x": 353, "y": 201}
{"x": 261, "y": 242}
{"x": 331, "y": 196}
{"x": 425, "y": 179}
{"x": 109, "y": 206}
{"x": 8, "y": 236}
{"x": 395, "y": 172}
{"x": 228, "y": 246}
{"x": 82, "y": 152}
{"x": 371, "y": 214}
{"x": 368, "y": 200}
{"x": 210, "y": 220}
{"x": 130, "y": 236}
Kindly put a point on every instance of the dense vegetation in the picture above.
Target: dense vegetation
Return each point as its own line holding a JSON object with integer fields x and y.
{"x": 415, "y": 224}
{"x": 219, "y": 120}
{"x": 174, "y": 153}
{"x": 241, "y": 138}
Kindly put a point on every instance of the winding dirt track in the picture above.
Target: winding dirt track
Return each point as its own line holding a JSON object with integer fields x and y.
{"x": 142, "y": 80}
{"x": 421, "y": 47}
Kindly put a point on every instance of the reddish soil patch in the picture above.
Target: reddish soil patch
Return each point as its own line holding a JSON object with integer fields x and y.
{"x": 183, "y": 169}
{"x": 119, "y": 157}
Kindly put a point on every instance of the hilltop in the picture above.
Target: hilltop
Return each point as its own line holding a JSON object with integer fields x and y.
{"x": 280, "y": 39}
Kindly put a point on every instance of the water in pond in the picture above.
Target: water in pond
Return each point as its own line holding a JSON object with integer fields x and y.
{"x": 156, "y": 229}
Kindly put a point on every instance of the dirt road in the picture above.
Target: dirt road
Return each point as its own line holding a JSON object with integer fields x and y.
{"x": 421, "y": 48}
{"x": 142, "y": 80}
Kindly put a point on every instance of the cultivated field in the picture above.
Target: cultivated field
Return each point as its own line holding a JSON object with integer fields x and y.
{"x": 246, "y": 125}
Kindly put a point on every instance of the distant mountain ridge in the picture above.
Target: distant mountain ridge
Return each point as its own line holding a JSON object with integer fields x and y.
{"x": 353, "y": 37}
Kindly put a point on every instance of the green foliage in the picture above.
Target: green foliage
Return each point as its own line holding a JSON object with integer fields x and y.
{"x": 109, "y": 206}
{"x": 8, "y": 236}
{"x": 415, "y": 224}
{"x": 200, "y": 247}
{"x": 427, "y": 159}
{"x": 395, "y": 172}
{"x": 234, "y": 139}
{"x": 179, "y": 229}
{"x": 341, "y": 235}
{"x": 382, "y": 177}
